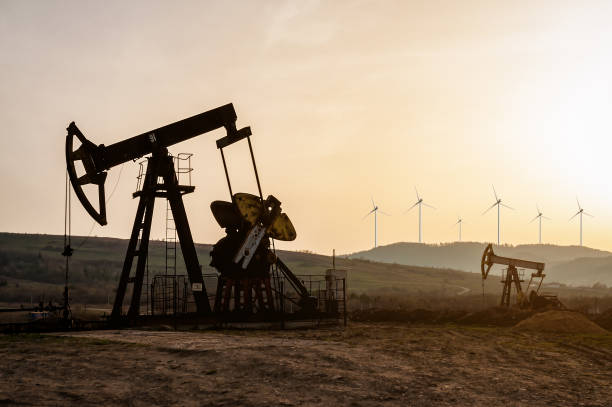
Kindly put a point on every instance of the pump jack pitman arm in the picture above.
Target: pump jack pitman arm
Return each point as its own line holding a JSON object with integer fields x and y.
{"x": 97, "y": 159}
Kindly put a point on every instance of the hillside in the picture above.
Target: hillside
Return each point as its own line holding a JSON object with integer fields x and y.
{"x": 573, "y": 265}
{"x": 32, "y": 266}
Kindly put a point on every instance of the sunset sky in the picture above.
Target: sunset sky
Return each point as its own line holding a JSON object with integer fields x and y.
{"x": 346, "y": 99}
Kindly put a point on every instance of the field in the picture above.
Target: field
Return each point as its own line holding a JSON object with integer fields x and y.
{"x": 417, "y": 336}
{"x": 361, "y": 365}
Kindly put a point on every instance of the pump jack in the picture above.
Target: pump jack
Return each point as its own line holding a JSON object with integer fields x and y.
{"x": 97, "y": 159}
{"x": 525, "y": 299}
{"x": 250, "y": 221}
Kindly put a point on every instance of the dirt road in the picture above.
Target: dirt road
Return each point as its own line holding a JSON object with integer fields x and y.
{"x": 363, "y": 365}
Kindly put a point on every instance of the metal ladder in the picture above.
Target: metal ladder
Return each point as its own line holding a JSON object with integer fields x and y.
{"x": 170, "y": 289}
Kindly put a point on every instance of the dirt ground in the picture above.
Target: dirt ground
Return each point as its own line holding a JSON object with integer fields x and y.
{"x": 361, "y": 365}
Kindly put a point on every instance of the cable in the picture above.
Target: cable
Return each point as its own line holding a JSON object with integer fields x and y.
{"x": 67, "y": 249}
{"x": 116, "y": 183}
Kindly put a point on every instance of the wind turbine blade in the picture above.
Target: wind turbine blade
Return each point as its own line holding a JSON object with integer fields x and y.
{"x": 429, "y": 206}
{"x": 384, "y": 213}
{"x": 588, "y": 214}
{"x": 574, "y": 216}
{"x": 373, "y": 204}
{"x": 534, "y": 219}
{"x": 489, "y": 208}
{"x": 506, "y": 206}
{"x": 366, "y": 215}
{"x": 538, "y": 208}
{"x": 579, "y": 207}
{"x": 417, "y": 193}
{"x": 495, "y": 193}
{"x": 408, "y": 210}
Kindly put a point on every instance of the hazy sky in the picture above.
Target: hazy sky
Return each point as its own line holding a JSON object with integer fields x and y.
{"x": 346, "y": 100}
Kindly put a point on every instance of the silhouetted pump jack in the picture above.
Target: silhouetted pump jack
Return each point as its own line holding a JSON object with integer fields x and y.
{"x": 511, "y": 277}
{"x": 97, "y": 159}
{"x": 243, "y": 258}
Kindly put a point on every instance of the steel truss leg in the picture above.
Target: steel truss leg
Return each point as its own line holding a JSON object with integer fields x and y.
{"x": 159, "y": 165}
{"x": 145, "y": 210}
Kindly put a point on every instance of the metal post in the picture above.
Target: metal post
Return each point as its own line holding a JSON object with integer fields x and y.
{"x": 344, "y": 300}
{"x": 255, "y": 168}
{"x": 420, "y": 222}
{"x": 540, "y": 229}
{"x": 375, "y": 229}
{"x": 334, "y": 259}
{"x": 282, "y": 303}
{"x": 580, "y": 228}
{"x": 229, "y": 185}
{"x": 498, "y": 224}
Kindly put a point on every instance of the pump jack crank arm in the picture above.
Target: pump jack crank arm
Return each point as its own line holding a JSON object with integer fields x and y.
{"x": 97, "y": 159}
{"x": 270, "y": 210}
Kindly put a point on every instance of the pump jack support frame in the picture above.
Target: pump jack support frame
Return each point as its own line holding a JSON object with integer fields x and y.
{"x": 512, "y": 277}
{"x": 160, "y": 165}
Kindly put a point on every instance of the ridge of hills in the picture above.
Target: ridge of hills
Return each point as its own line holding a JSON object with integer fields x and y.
{"x": 571, "y": 265}
{"x": 31, "y": 266}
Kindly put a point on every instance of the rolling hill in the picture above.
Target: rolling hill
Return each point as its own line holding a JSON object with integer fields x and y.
{"x": 572, "y": 265}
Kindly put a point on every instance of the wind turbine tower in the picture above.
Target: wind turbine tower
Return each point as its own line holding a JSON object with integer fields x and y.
{"x": 459, "y": 221}
{"x": 419, "y": 202}
{"x": 580, "y": 212}
{"x": 374, "y": 211}
{"x": 539, "y": 217}
{"x": 498, "y": 203}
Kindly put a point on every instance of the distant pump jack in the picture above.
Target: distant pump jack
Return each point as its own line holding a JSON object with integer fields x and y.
{"x": 498, "y": 203}
{"x": 580, "y": 212}
{"x": 374, "y": 211}
{"x": 539, "y": 216}
{"x": 419, "y": 202}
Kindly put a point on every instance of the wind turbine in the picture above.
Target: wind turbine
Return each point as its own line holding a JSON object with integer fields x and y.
{"x": 459, "y": 221}
{"x": 419, "y": 202}
{"x": 374, "y": 211}
{"x": 580, "y": 212}
{"x": 498, "y": 203}
{"x": 539, "y": 217}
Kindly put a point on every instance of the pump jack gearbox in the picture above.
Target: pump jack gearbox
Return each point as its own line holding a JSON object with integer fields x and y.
{"x": 243, "y": 257}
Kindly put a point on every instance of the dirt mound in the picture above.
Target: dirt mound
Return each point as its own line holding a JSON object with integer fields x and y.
{"x": 605, "y": 320}
{"x": 560, "y": 321}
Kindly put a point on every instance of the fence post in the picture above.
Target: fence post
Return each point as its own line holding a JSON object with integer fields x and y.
{"x": 344, "y": 296}
{"x": 282, "y": 303}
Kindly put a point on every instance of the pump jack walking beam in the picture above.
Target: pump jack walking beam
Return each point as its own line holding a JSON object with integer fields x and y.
{"x": 97, "y": 159}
